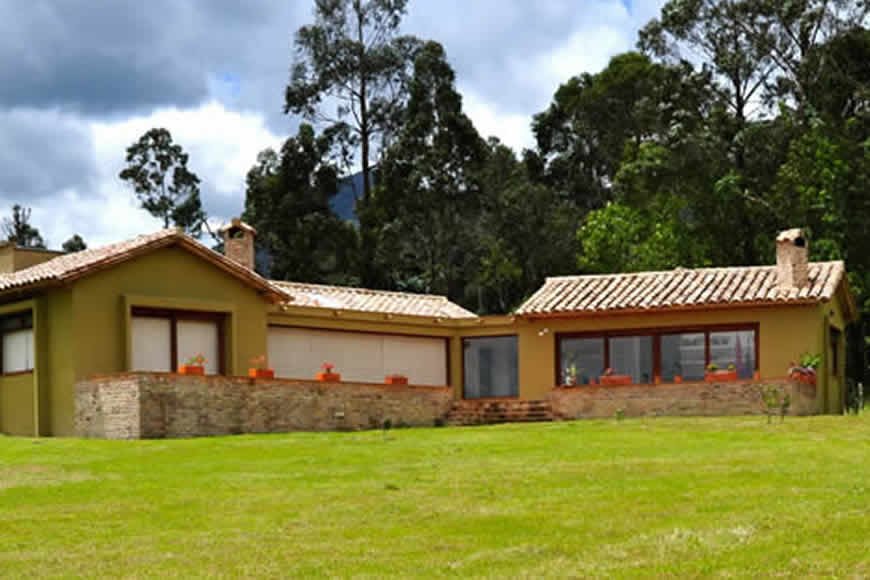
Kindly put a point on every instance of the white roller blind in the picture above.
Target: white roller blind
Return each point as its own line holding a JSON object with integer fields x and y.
{"x": 297, "y": 353}
{"x": 422, "y": 360}
{"x": 18, "y": 351}
{"x": 151, "y": 344}
{"x": 199, "y": 337}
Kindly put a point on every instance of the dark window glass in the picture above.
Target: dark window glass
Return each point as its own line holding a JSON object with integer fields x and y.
{"x": 583, "y": 358}
{"x": 632, "y": 356}
{"x": 835, "y": 351}
{"x": 683, "y": 355}
{"x": 734, "y": 347}
{"x": 490, "y": 365}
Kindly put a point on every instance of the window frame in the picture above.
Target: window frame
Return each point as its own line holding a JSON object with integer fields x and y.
{"x": 20, "y": 315}
{"x": 656, "y": 333}
{"x": 174, "y": 316}
{"x": 467, "y": 339}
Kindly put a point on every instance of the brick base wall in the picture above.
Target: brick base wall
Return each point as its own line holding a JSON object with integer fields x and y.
{"x": 153, "y": 405}
{"x": 687, "y": 399}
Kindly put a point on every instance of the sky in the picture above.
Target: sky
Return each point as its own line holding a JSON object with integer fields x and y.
{"x": 80, "y": 80}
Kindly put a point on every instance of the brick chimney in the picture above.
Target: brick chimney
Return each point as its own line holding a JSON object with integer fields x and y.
{"x": 239, "y": 242}
{"x": 792, "y": 259}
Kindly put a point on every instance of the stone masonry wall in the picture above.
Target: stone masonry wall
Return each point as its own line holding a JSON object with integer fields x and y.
{"x": 155, "y": 405}
{"x": 686, "y": 399}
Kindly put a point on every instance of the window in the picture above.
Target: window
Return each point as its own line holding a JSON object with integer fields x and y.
{"x": 632, "y": 356}
{"x": 583, "y": 355}
{"x": 490, "y": 367}
{"x": 683, "y": 355}
{"x": 17, "y": 343}
{"x": 734, "y": 347}
{"x": 666, "y": 354}
{"x": 162, "y": 340}
{"x": 834, "y": 337}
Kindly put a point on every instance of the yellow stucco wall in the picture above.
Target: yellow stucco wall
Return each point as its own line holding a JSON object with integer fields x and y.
{"x": 784, "y": 334}
{"x": 832, "y": 383}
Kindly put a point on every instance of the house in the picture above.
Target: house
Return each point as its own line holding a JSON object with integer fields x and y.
{"x": 76, "y": 325}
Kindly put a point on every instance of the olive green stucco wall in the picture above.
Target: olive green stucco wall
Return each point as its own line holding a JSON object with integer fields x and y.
{"x": 88, "y": 324}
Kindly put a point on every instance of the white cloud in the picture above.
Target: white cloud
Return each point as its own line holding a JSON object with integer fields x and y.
{"x": 512, "y": 128}
{"x": 222, "y": 145}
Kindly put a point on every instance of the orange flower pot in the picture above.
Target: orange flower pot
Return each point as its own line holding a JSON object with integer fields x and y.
{"x": 678, "y": 379}
{"x": 614, "y": 380}
{"x": 720, "y": 376}
{"x": 261, "y": 373}
{"x": 193, "y": 370}
{"x": 396, "y": 380}
{"x": 328, "y": 377}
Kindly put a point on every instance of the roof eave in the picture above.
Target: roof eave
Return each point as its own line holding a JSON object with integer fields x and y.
{"x": 667, "y": 309}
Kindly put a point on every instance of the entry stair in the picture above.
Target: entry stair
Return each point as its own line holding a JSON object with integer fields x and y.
{"x": 493, "y": 411}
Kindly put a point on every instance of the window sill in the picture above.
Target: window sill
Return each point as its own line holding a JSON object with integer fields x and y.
{"x": 17, "y": 373}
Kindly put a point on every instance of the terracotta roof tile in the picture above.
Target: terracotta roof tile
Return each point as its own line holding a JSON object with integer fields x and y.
{"x": 678, "y": 288}
{"x": 374, "y": 301}
{"x": 68, "y": 267}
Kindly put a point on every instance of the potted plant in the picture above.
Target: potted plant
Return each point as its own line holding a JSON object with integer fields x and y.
{"x": 805, "y": 372}
{"x": 714, "y": 374}
{"x": 195, "y": 366}
{"x": 259, "y": 369}
{"x": 678, "y": 373}
{"x": 326, "y": 374}
{"x": 396, "y": 379}
{"x": 571, "y": 375}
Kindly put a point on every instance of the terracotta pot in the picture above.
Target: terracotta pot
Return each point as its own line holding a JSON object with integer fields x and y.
{"x": 396, "y": 380}
{"x": 678, "y": 379}
{"x": 194, "y": 370}
{"x": 613, "y": 380}
{"x": 261, "y": 373}
{"x": 328, "y": 377}
{"x": 720, "y": 376}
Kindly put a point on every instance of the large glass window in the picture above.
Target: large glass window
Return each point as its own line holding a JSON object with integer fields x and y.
{"x": 17, "y": 343}
{"x": 667, "y": 355}
{"x": 683, "y": 356}
{"x": 582, "y": 358}
{"x": 490, "y": 365}
{"x": 632, "y": 356}
{"x": 734, "y": 347}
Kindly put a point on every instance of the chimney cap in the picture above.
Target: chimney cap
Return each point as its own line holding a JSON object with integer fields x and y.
{"x": 791, "y": 236}
{"x": 237, "y": 223}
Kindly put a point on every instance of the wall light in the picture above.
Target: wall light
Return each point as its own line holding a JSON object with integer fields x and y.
{"x": 544, "y": 331}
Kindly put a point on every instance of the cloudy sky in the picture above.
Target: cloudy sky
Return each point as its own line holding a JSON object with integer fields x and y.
{"x": 82, "y": 79}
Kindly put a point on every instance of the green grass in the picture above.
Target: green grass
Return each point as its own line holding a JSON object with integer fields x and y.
{"x": 658, "y": 497}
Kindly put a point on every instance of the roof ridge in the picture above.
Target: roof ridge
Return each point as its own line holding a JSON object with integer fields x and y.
{"x": 710, "y": 269}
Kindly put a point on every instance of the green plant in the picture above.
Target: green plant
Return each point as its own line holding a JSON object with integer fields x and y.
{"x": 731, "y": 367}
{"x": 196, "y": 361}
{"x": 620, "y": 414}
{"x": 775, "y": 401}
{"x": 810, "y": 361}
{"x": 712, "y": 367}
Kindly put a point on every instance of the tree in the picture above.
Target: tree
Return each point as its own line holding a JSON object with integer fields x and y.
{"x": 428, "y": 192}
{"x": 18, "y": 230}
{"x": 288, "y": 201}
{"x": 353, "y": 59}
{"x": 583, "y": 135}
{"x": 166, "y": 188}
{"x": 74, "y": 244}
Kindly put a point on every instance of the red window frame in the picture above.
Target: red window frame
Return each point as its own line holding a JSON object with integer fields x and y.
{"x": 656, "y": 333}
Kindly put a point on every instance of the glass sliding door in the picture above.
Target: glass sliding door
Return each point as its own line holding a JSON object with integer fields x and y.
{"x": 490, "y": 367}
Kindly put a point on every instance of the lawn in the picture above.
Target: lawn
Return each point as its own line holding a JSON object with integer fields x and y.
{"x": 656, "y": 497}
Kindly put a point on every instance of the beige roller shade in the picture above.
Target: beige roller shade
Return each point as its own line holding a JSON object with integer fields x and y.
{"x": 298, "y": 353}
{"x": 151, "y": 344}
{"x": 199, "y": 337}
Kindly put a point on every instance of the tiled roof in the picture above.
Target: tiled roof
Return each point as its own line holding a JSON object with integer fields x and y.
{"x": 68, "y": 267}
{"x": 374, "y": 301}
{"x": 676, "y": 289}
